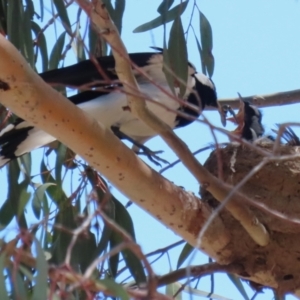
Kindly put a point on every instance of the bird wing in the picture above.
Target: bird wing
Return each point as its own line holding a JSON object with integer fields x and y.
{"x": 101, "y": 71}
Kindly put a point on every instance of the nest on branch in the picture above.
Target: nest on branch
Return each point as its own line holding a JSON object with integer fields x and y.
{"x": 277, "y": 186}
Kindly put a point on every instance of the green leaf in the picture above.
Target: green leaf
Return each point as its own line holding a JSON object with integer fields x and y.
{"x": 168, "y": 17}
{"x": 23, "y": 198}
{"x": 201, "y": 293}
{"x": 133, "y": 263}
{"x": 26, "y": 163}
{"x": 27, "y": 45}
{"x": 63, "y": 14}
{"x": 119, "y": 12}
{"x": 41, "y": 43}
{"x": 206, "y": 33}
{"x": 38, "y": 198}
{"x": 116, "y": 289}
{"x": 17, "y": 192}
{"x": 185, "y": 253}
{"x": 238, "y": 284}
{"x": 201, "y": 54}
{"x": 30, "y": 8}
{"x": 3, "y": 292}
{"x": 55, "y": 192}
{"x": 40, "y": 288}
{"x": 6, "y": 214}
{"x": 177, "y": 48}
{"x": 60, "y": 157}
{"x": 14, "y": 30}
{"x": 113, "y": 261}
{"x": 167, "y": 68}
{"x": 3, "y": 17}
{"x": 42, "y": 10}
{"x": 172, "y": 289}
{"x": 164, "y": 6}
{"x": 277, "y": 297}
{"x": 84, "y": 249}
{"x": 16, "y": 284}
{"x": 62, "y": 237}
{"x": 207, "y": 44}
{"x": 56, "y": 53}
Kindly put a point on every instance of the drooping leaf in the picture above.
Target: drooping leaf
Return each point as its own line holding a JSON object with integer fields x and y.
{"x": 176, "y": 11}
{"x": 56, "y": 53}
{"x": 60, "y": 157}
{"x": 38, "y": 198}
{"x": 40, "y": 288}
{"x": 164, "y": 6}
{"x": 62, "y": 237}
{"x": 24, "y": 197}
{"x": 17, "y": 284}
{"x": 207, "y": 44}
{"x": 27, "y": 44}
{"x": 238, "y": 284}
{"x": 54, "y": 191}
{"x": 201, "y": 55}
{"x": 167, "y": 69}
{"x": 118, "y": 15}
{"x": 3, "y": 18}
{"x": 3, "y": 292}
{"x": 278, "y": 297}
{"x": 6, "y": 213}
{"x": 14, "y": 29}
{"x": 17, "y": 192}
{"x": 133, "y": 263}
{"x": 30, "y": 8}
{"x": 177, "y": 49}
{"x": 63, "y": 14}
{"x": 113, "y": 261}
{"x": 185, "y": 253}
{"x": 41, "y": 43}
{"x": 172, "y": 289}
{"x": 26, "y": 163}
{"x": 42, "y": 10}
{"x": 85, "y": 249}
{"x": 201, "y": 293}
{"x": 116, "y": 289}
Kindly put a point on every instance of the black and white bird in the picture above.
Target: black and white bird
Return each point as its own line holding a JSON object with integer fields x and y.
{"x": 249, "y": 121}
{"x": 106, "y": 102}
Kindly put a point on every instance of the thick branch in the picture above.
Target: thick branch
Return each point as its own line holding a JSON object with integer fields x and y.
{"x": 27, "y": 95}
{"x": 269, "y": 100}
{"x": 101, "y": 19}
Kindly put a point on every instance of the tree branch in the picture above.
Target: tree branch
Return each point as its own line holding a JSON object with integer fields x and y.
{"x": 268, "y": 100}
{"x": 27, "y": 95}
{"x": 101, "y": 19}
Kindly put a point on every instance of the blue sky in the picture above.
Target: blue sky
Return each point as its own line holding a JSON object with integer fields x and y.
{"x": 256, "y": 50}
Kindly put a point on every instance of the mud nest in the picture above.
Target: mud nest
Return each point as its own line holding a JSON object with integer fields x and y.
{"x": 277, "y": 186}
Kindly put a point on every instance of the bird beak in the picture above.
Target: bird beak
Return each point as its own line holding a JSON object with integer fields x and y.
{"x": 222, "y": 113}
{"x": 239, "y": 117}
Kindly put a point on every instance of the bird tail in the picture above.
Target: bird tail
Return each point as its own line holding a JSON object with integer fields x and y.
{"x": 19, "y": 138}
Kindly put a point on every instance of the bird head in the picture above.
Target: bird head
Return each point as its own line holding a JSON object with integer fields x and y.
{"x": 206, "y": 90}
{"x": 248, "y": 120}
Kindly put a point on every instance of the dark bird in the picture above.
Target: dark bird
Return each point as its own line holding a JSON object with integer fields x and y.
{"x": 249, "y": 120}
{"x": 107, "y": 103}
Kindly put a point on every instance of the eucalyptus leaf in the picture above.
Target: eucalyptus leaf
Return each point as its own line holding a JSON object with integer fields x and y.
{"x": 238, "y": 284}
{"x": 41, "y": 278}
{"x": 42, "y": 44}
{"x": 176, "y": 11}
{"x": 56, "y": 53}
{"x": 63, "y": 14}
{"x": 178, "y": 55}
{"x": 164, "y": 6}
{"x": 185, "y": 253}
{"x": 3, "y": 292}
